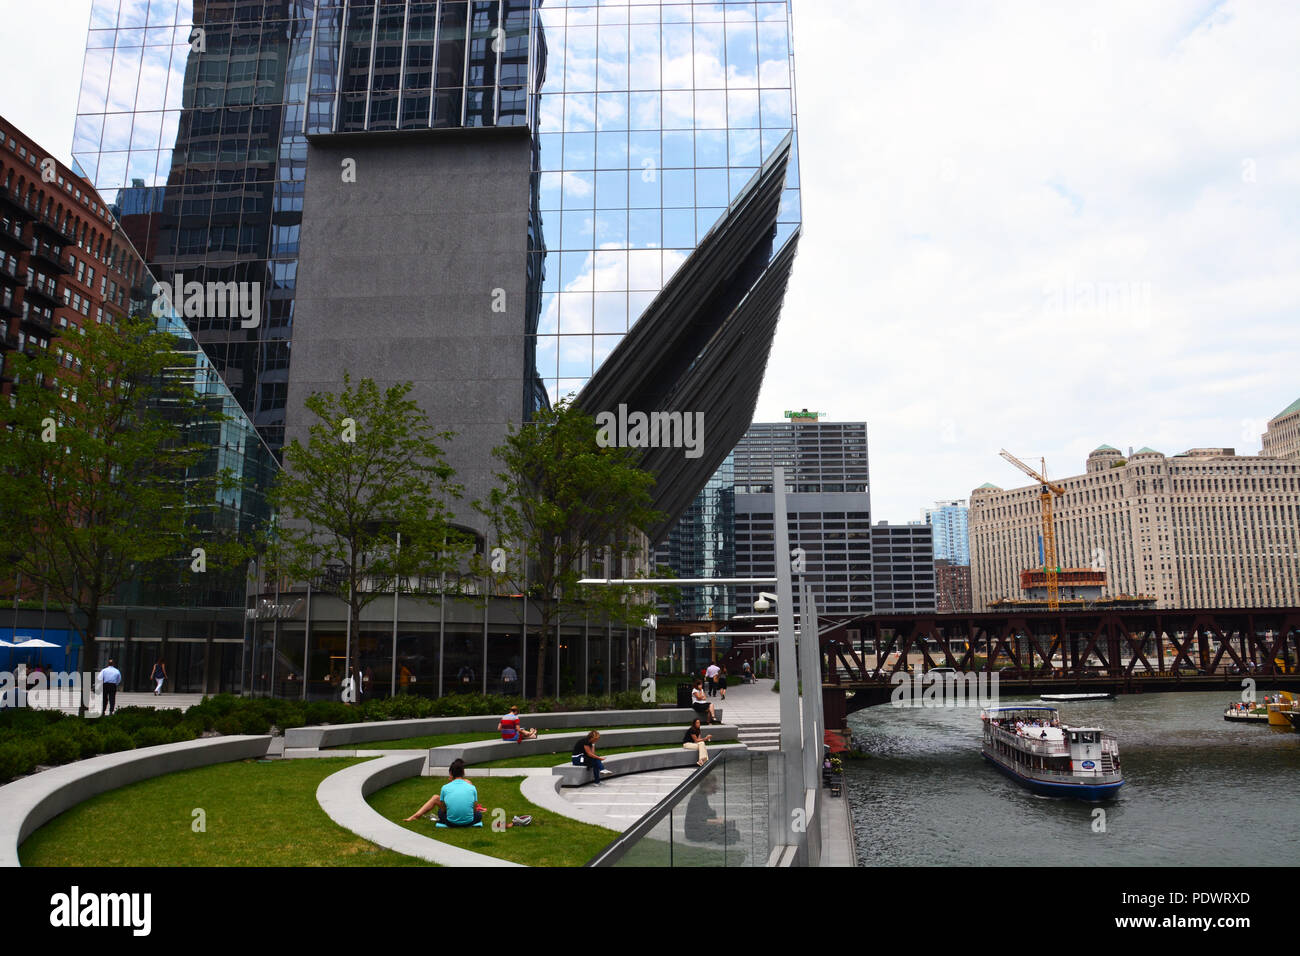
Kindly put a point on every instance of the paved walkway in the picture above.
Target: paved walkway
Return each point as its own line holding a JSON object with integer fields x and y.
{"x": 67, "y": 702}
{"x": 750, "y": 703}
{"x": 621, "y": 801}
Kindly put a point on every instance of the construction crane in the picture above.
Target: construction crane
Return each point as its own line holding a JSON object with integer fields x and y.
{"x": 1046, "y": 490}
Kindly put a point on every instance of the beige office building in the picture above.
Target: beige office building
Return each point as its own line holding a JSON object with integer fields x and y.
{"x": 1282, "y": 437}
{"x": 1206, "y": 528}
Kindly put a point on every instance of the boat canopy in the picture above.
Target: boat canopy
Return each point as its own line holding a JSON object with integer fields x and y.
{"x": 1008, "y": 708}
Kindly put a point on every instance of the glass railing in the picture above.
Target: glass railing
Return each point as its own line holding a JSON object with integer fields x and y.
{"x": 719, "y": 816}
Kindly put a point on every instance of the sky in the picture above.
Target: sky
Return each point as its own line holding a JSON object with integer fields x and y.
{"x": 1033, "y": 226}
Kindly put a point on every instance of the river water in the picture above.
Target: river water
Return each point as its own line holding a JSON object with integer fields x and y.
{"x": 1197, "y": 790}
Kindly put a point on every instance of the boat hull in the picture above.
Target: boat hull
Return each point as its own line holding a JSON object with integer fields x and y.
{"x": 1092, "y": 792}
{"x": 1246, "y": 718}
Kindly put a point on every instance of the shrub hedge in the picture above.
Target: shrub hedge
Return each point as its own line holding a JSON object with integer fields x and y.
{"x": 34, "y": 738}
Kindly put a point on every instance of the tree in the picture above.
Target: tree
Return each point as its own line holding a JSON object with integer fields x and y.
{"x": 372, "y": 470}
{"x": 565, "y": 506}
{"x": 104, "y": 468}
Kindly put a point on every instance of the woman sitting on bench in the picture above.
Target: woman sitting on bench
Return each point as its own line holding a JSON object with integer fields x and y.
{"x": 700, "y": 703}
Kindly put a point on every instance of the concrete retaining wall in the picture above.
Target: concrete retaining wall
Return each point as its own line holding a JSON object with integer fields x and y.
{"x": 337, "y": 735}
{"x": 480, "y": 750}
{"x": 620, "y": 764}
{"x": 343, "y": 795}
{"x": 29, "y": 803}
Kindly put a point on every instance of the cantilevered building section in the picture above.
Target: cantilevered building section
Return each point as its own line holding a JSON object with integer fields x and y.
{"x": 701, "y": 347}
{"x": 1205, "y": 528}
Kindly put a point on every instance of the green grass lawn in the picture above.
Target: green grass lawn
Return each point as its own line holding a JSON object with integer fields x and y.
{"x": 551, "y": 840}
{"x": 257, "y": 814}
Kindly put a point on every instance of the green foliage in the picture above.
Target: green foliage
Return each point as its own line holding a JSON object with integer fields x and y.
{"x": 116, "y": 741}
{"x": 563, "y": 501}
{"x": 372, "y": 470}
{"x": 40, "y": 737}
{"x": 230, "y": 725}
{"x": 152, "y": 736}
{"x": 61, "y": 748}
{"x": 100, "y": 465}
{"x": 19, "y": 757}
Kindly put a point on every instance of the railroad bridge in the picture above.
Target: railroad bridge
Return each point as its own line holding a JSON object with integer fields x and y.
{"x": 1115, "y": 651}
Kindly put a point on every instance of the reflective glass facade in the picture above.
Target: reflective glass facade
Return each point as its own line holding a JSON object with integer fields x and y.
{"x": 652, "y": 117}
{"x": 649, "y": 118}
{"x": 702, "y": 544}
{"x": 190, "y": 124}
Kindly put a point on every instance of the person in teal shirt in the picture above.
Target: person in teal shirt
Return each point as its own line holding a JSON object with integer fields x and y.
{"x": 457, "y": 801}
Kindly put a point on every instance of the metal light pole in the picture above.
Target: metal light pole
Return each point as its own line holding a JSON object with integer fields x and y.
{"x": 392, "y": 689}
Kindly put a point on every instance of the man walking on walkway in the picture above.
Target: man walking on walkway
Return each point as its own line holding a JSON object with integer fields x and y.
{"x": 711, "y": 674}
{"x": 109, "y": 678}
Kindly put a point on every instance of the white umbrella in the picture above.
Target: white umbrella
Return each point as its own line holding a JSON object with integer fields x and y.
{"x": 37, "y": 642}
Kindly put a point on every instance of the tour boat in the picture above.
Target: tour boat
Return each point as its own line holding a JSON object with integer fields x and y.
{"x": 1246, "y": 713}
{"x": 1032, "y": 746}
{"x": 1074, "y": 698}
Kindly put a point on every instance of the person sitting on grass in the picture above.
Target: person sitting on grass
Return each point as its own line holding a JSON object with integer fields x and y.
{"x": 510, "y": 729}
{"x": 457, "y": 801}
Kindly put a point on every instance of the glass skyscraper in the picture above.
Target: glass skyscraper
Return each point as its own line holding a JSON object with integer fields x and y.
{"x": 647, "y": 120}
{"x": 951, "y": 523}
{"x": 501, "y": 202}
{"x": 702, "y": 544}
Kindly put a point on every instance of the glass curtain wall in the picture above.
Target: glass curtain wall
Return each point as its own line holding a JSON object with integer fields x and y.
{"x": 652, "y": 118}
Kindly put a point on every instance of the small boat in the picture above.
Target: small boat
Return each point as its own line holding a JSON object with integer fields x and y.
{"x": 1294, "y": 717}
{"x": 1071, "y": 698}
{"x": 1031, "y": 746}
{"x": 1244, "y": 713}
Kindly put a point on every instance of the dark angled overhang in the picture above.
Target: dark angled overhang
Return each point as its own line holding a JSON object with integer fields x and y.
{"x": 702, "y": 344}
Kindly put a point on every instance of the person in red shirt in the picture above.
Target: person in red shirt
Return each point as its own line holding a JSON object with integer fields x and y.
{"x": 510, "y": 729}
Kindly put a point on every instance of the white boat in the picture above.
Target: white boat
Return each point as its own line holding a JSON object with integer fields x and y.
{"x": 1069, "y": 698}
{"x": 1031, "y": 746}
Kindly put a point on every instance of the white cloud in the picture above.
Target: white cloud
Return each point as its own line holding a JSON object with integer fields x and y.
{"x": 1034, "y": 227}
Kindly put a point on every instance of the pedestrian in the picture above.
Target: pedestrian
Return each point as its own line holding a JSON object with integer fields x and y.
{"x": 700, "y": 703}
{"x": 695, "y": 739}
{"x": 109, "y": 679}
{"x": 509, "y": 681}
{"x": 722, "y": 682}
{"x": 711, "y": 675}
{"x": 457, "y": 801}
{"x": 584, "y": 755}
{"x": 510, "y": 729}
{"x": 748, "y": 674}
{"x": 158, "y": 675}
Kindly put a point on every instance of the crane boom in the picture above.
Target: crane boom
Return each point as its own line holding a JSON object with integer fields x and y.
{"x": 1046, "y": 490}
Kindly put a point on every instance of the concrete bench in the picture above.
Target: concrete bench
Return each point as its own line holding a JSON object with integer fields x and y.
{"x": 28, "y": 803}
{"x": 338, "y": 735}
{"x": 483, "y": 750}
{"x": 343, "y": 795}
{"x": 639, "y": 762}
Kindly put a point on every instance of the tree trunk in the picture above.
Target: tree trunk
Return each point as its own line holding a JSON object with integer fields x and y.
{"x": 542, "y": 641}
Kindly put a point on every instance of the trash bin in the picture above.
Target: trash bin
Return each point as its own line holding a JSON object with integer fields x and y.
{"x": 684, "y": 695}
